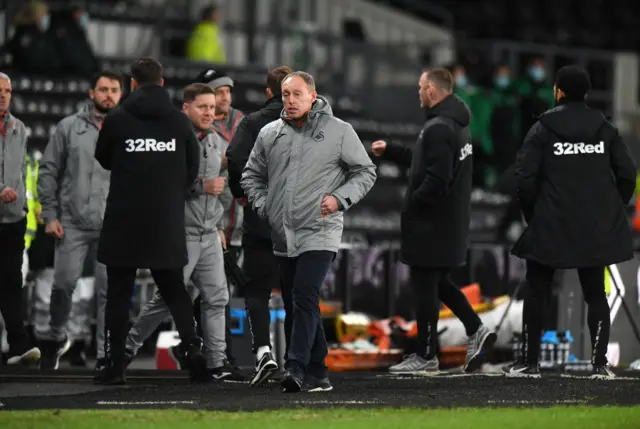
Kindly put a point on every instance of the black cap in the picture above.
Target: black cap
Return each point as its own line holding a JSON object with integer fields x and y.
{"x": 214, "y": 78}
{"x": 574, "y": 81}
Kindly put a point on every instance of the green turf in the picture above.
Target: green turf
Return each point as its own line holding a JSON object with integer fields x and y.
{"x": 535, "y": 418}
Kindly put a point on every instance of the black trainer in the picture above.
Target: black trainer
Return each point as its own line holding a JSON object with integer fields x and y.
{"x": 179, "y": 355}
{"x": 197, "y": 363}
{"x": 227, "y": 372}
{"x": 265, "y": 368}
{"x": 76, "y": 355}
{"x": 24, "y": 354}
{"x": 101, "y": 364}
{"x": 52, "y": 351}
{"x": 602, "y": 372}
{"x": 313, "y": 384}
{"x": 293, "y": 379}
{"x": 111, "y": 375}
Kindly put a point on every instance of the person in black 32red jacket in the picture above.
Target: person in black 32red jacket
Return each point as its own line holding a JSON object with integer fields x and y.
{"x": 575, "y": 176}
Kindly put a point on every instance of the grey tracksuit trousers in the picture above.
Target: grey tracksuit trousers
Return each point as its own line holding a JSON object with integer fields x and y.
{"x": 206, "y": 270}
{"x": 70, "y": 254}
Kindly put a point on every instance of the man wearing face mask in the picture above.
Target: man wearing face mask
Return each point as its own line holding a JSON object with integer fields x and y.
{"x": 34, "y": 47}
{"x": 575, "y": 177}
{"x": 536, "y": 93}
{"x": 73, "y": 190}
{"x": 480, "y": 107}
{"x": 435, "y": 221}
{"x": 78, "y": 58}
{"x": 505, "y": 119}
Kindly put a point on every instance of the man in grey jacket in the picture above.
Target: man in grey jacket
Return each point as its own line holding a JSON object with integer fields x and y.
{"x": 304, "y": 171}
{"x": 13, "y": 224}
{"x": 205, "y": 240}
{"x": 73, "y": 190}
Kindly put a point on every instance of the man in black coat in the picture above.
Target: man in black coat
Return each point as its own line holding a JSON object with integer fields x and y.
{"x": 153, "y": 155}
{"x": 575, "y": 176}
{"x": 435, "y": 220}
{"x": 260, "y": 264}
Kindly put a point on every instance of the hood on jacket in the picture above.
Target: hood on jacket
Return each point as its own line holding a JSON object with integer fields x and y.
{"x": 151, "y": 101}
{"x": 451, "y": 107}
{"x": 320, "y": 107}
{"x": 573, "y": 121}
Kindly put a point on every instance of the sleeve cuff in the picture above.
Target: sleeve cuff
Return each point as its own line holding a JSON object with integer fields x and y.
{"x": 343, "y": 203}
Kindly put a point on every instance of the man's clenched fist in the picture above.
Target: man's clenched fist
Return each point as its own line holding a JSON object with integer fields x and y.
{"x": 378, "y": 147}
{"x": 329, "y": 205}
{"x": 8, "y": 195}
{"x": 54, "y": 228}
{"x": 214, "y": 186}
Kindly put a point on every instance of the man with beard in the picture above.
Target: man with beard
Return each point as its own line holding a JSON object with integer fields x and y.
{"x": 73, "y": 189}
{"x": 13, "y": 223}
{"x": 154, "y": 156}
{"x": 575, "y": 177}
{"x": 304, "y": 171}
{"x": 260, "y": 265}
{"x": 435, "y": 221}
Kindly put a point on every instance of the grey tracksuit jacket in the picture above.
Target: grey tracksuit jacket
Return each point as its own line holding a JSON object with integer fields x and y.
{"x": 204, "y": 212}
{"x": 13, "y": 168}
{"x": 72, "y": 185}
{"x": 293, "y": 166}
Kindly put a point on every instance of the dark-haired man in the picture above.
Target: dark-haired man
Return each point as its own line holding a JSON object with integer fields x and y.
{"x": 205, "y": 241}
{"x": 73, "y": 189}
{"x": 304, "y": 171}
{"x": 435, "y": 221}
{"x": 260, "y": 265}
{"x": 153, "y": 155}
{"x": 575, "y": 176}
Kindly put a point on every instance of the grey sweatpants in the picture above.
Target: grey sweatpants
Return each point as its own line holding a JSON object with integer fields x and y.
{"x": 70, "y": 254}
{"x": 206, "y": 270}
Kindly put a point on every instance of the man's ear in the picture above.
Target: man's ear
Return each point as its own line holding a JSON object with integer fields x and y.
{"x": 162, "y": 82}
{"x": 314, "y": 96}
{"x": 185, "y": 107}
{"x": 269, "y": 93}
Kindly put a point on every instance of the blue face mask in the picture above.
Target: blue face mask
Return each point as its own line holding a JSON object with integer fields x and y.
{"x": 44, "y": 22}
{"x": 461, "y": 81}
{"x": 537, "y": 73}
{"x": 83, "y": 21}
{"x": 501, "y": 81}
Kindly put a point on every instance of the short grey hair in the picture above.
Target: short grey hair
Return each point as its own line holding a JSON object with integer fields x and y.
{"x": 306, "y": 77}
{"x": 5, "y": 76}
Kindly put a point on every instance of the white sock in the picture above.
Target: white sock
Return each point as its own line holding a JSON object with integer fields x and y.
{"x": 261, "y": 352}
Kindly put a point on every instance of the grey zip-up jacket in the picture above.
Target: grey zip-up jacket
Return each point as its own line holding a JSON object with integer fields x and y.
{"x": 203, "y": 212}
{"x": 292, "y": 167}
{"x": 13, "y": 168}
{"x": 72, "y": 185}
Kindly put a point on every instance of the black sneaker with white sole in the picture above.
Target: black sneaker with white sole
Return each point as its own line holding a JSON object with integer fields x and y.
{"x": 602, "y": 372}
{"x": 178, "y": 354}
{"x": 227, "y": 373}
{"x": 196, "y": 362}
{"x": 265, "y": 369}
{"x": 521, "y": 370}
{"x": 52, "y": 351}
{"x": 313, "y": 384}
{"x": 293, "y": 380}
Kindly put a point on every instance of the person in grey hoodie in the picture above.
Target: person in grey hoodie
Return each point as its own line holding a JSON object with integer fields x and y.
{"x": 13, "y": 225}
{"x": 205, "y": 241}
{"x": 304, "y": 171}
{"x": 73, "y": 190}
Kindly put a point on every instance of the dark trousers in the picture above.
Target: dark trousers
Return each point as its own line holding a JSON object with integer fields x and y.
{"x": 430, "y": 287}
{"x": 261, "y": 268}
{"x": 302, "y": 278}
{"x": 540, "y": 280}
{"x": 11, "y": 254}
{"x": 170, "y": 283}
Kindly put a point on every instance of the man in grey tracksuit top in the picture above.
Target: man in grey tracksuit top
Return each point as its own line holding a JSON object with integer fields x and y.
{"x": 73, "y": 189}
{"x": 13, "y": 209}
{"x": 303, "y": 172}
{"x": 205, "y": 235}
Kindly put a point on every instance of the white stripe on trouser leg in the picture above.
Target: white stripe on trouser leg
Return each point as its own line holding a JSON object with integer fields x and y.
{"x": 209, "y": 277}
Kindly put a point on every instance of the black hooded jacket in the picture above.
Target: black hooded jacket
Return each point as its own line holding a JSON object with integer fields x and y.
{"x": 153, "y": 155}
{"x": 435, "y": 216}
{"x": 575, "y": 176}
{"x": 257, "y": 231}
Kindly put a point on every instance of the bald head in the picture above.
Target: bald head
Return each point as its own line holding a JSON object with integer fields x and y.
{"x": 5, "y": 93}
